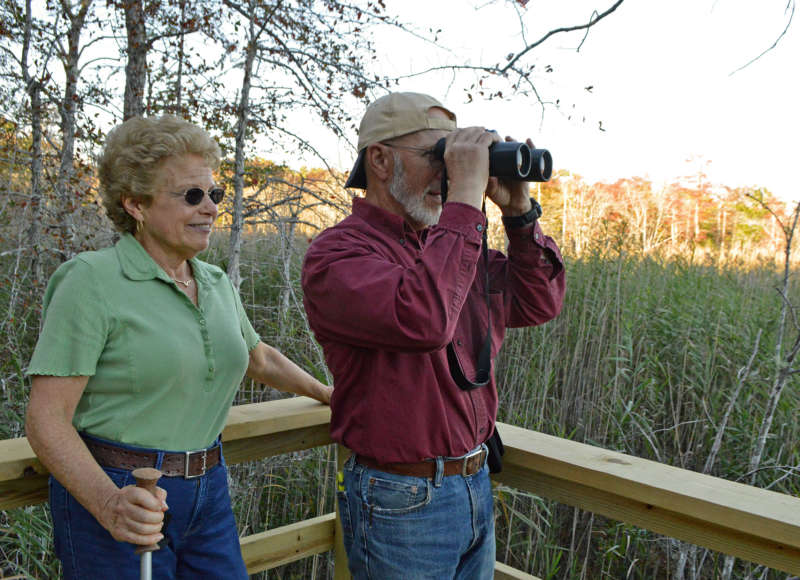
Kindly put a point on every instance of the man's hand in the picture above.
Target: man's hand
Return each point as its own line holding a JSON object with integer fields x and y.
{"x": 511, "y": 196}
{"x": 466, "y": 156}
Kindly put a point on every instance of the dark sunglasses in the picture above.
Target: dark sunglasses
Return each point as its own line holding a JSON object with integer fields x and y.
{"x": 194, "y": 195}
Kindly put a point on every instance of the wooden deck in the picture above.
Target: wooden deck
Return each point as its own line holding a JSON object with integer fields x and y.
{"x": 751, "y": 523}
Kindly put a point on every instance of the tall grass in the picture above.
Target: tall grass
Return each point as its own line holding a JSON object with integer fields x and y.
{"x": 642, "y": 360}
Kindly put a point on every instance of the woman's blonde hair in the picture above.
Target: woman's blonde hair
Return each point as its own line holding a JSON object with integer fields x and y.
{"x": 133, "y": 154}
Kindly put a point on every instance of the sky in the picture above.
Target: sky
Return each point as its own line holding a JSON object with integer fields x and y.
{"x": 662, "y": 84}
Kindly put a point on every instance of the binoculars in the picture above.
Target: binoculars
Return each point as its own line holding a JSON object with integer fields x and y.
{"x": 512, "y": 160}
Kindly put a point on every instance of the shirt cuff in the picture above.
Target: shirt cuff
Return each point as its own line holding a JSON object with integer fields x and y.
{"x": 529, "y": 246}
{"x": 464, "y": 219}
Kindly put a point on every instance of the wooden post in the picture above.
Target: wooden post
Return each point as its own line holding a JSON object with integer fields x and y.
{"x": 340, "y": 569}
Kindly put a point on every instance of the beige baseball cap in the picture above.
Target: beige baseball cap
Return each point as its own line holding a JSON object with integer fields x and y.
{"x": 394, "y": 115}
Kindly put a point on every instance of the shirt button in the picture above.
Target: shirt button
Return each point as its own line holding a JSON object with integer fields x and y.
{"x": 402, "y": 241}
{"x": 536, "y": 236}
{"x": 458, "y": 342}
{"x": 479, "y": 227}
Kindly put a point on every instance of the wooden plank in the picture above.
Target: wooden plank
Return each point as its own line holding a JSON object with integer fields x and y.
{"x": 748, "y": 522}
{"x": 17, "y": 460}
{"x": 258, "y": 447}
{"x": 505, "y": 572}
{"x": 245, "y": 421}
{"x": 288, "y": 543}
{"x": 29, "y": 490}
{"x": 23, "y": 479}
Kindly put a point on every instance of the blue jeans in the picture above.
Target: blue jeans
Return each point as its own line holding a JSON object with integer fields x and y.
{"x": 201, "y": 537}
{"x": 409, "y": 528}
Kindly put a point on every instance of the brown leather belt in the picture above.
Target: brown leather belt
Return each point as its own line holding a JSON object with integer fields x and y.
{"x": 465, "y": 466}
{"x": 186, "y": 464}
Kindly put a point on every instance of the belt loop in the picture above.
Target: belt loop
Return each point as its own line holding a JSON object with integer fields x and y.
{"x": 437, "y": 479}
{"x": 159, "y": 459}
{"x": 221, "y": 454}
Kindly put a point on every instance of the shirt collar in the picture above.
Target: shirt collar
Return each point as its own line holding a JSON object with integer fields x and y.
{"x": 137, "y": 264}
{"x": 381, "y": 219}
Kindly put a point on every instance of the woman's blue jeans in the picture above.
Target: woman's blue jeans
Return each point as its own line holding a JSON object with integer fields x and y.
{"x": 410, "y": 528}
{"x": 200, "y": 534}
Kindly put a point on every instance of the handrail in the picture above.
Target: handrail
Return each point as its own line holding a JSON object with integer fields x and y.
{"x": 755, "y": 524}
{"x": 748, "y": 522}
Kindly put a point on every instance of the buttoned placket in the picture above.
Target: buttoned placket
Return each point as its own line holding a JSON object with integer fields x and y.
{"x": 199, "y": 315}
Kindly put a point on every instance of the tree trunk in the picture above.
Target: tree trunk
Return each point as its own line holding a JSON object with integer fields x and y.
{"x": 34, "y": 89}
{"x": 238, "y": 165}
{"x": 136, "y": 67}
{"x": 33, "y": 233}
{"x": 66, "y": 204}
{"x": 179, "y": 75}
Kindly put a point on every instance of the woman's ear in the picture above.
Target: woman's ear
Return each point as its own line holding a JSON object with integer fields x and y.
{"x": 379, "y": 161}
{"x": 134, "y": 207}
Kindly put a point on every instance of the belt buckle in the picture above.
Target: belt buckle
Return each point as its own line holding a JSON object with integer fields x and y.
{"x": 187, "y": 460}
{"x": 466, "y": 458}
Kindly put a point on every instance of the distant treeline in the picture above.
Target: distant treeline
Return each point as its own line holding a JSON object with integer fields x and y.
{"x": 690, "y": 217}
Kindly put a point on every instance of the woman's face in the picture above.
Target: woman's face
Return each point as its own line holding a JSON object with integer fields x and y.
{"x": 171, "y": 227}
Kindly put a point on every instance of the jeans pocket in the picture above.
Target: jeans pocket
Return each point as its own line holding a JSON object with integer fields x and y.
{"x": 396, "y": 494}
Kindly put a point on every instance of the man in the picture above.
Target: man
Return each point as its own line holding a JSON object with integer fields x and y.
{"x": 386, "y": 291}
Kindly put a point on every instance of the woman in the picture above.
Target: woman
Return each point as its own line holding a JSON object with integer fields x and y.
{"x": 142, "y": 349}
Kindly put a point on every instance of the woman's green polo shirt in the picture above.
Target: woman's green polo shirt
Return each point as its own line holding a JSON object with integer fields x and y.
{"x": 162, "y": 371}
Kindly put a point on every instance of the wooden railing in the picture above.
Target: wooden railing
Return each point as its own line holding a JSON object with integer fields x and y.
{"x": 751, "y": 523}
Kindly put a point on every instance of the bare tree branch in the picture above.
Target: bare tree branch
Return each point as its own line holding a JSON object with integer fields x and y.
{"x": 774, "y": 44}
{"x": 592, "y": 22}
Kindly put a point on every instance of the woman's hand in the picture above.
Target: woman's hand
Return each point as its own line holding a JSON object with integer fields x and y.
{"x": 325, "y": 394}
{"x": 130, "y": 514}
{"x": 134, "y": 515}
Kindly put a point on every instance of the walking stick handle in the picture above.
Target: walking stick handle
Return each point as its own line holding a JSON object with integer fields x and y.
{"x": 146, "y": 478}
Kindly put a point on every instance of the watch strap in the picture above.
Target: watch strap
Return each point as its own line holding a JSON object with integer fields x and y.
{"x": 520, "y": 221}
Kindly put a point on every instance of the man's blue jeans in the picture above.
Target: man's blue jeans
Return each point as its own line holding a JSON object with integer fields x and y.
{"x": 409, "y": 528}
{"x": 201, "y": 537}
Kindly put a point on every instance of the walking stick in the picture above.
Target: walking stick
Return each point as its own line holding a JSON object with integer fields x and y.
{"x": 146, "y": 478}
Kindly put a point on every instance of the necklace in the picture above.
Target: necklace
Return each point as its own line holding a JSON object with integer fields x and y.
{"x": 184, "y": 282}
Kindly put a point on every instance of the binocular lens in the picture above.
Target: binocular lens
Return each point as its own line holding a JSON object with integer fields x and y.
{"x": 509, "y": 159}
{"x": 541, "y": 167}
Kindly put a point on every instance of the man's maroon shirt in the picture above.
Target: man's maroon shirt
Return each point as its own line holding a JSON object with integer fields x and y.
{"x": 384, "y": 301}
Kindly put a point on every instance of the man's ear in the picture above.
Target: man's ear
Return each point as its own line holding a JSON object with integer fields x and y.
{"x": 379, "y": 161}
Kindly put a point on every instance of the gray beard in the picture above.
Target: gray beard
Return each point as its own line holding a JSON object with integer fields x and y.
{"x": 413, "y": 204}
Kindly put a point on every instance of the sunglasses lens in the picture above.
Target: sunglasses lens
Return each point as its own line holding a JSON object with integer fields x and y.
{"x": 216, "y": 194}
{"x": 194, "y": 195}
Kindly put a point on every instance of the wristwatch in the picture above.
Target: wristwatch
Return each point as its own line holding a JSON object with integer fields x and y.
{"x": 520, "y": 221}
